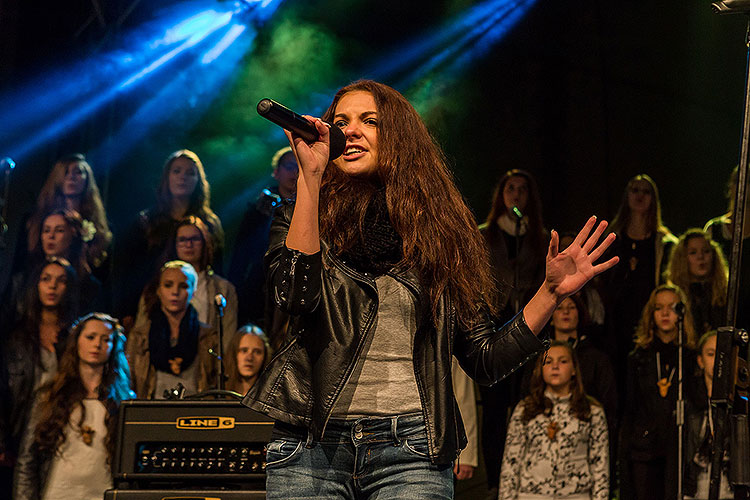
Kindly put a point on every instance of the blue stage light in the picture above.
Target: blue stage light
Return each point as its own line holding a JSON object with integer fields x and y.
{"x": 197, "y": 37}
{"x": 184, "y": 96}
{"x": 234, "y": 32}
{"x": 40, "y": 111}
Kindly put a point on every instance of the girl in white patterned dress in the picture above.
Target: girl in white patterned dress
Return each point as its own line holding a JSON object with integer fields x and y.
{"x": 557, "y": 443}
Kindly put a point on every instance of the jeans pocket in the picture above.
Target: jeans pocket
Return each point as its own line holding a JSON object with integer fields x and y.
{"x": 417, "y": 446}
{"x": 281, "y": 451}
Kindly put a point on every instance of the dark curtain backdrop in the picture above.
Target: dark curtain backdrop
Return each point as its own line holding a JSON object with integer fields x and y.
{"x": 584, "y": 94}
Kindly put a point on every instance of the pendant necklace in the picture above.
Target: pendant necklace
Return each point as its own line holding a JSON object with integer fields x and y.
{"x": 662, "y": 382}
{"x": 87, "y": 433}
{"x": 552, "y": 430}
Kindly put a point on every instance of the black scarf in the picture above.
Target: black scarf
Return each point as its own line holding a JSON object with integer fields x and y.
{"x": 380, "y": 247}
{"x": 165, "y": 357}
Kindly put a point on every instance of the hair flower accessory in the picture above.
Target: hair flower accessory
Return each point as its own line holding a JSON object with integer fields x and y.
{"x": 88, "y": 230}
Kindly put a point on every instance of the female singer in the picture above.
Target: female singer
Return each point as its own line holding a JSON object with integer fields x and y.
{"x": 192, "y": 243}
{"x": 183, "y": 191}
{"x": 70, "y": 439}
{"x": 386, "y": 277}
{"x": 29, "y": 357}
{"x": 248, "y": 353}
{"x": 557, "y": 445}
{"x": 169, "y": 345}
{"x": 71, "y": 185}
{"x": 649, "y": 429}
{"x": 698, "y": 267}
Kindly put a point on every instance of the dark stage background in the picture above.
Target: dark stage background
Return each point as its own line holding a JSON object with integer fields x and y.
{"x": 584, "y": 94}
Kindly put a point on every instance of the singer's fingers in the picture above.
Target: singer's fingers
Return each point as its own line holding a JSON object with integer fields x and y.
{"x": 598, "y": 251}
{"x": 290, "y": 138}
{"x": 324, "y": 131}
{"x": 591, "y": 241}
{"x": 600, "y": 268}
{"x": 296, "y": 142}
{"x": 322, "y": 127}
{"x": 554, "y": 241}
{"x": 584, "y": 233}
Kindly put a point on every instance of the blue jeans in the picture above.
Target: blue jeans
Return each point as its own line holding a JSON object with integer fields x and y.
{"x": 366, "y": 458}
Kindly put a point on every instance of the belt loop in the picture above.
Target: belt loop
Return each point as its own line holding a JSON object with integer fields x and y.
{"x": 394, "y": 431}
{"x": 308, "y": 442}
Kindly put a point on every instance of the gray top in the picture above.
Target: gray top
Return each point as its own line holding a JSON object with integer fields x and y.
{"x": 383, "y": 382}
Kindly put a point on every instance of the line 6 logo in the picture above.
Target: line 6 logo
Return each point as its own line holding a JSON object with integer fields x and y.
{"x": 205, "y": 423}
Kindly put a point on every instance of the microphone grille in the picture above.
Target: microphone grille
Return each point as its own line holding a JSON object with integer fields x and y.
{"x": 220, "y": 301}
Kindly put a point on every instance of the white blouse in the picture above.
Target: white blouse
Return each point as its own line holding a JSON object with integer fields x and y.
{"x": 80, "y": 470}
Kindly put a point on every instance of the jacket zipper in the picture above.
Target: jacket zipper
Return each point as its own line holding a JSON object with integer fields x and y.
{"x": 292, "y": 268}
{"x": 295, "y": 256}
{"x": 418, "y": 379}
{"x": 356, "y": 276}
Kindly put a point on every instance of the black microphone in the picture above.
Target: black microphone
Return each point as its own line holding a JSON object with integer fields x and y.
{"x": 679, "y": 309}
{"x": 288, "y": 119}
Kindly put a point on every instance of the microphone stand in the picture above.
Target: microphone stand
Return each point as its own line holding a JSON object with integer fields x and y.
{"x": 680, "y": 412}
{"x": 220, "y": 303}
{"x": 6, "y": 165}
{"x": 220, "y": 307}
{"x": 516, "y": 265}
{"x": 728, "y": 339}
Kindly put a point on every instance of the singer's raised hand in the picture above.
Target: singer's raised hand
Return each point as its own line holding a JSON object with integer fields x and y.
{"x": 311, "y": 158}
{"x": 569, "y": 270}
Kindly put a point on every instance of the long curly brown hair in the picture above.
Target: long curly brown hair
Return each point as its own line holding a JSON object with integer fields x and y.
{"x": 536, "y": 402}
{"x": 66, "y": 391}
{"x": 92, "y": 209}
{"x": 644, "y": 334}
{"x": 441, "y": 241}
{"x": 200, "y": 200}
{"x": 679, "y": 272}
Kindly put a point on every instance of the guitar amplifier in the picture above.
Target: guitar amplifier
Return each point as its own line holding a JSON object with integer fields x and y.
{"x": 181, "y": 442}
{"x": 183, "y": 495}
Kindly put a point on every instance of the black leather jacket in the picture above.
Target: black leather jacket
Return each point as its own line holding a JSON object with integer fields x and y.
{"x": 333, "y": 309}
{"x": 32, "y": 468}
{"x": 20, "y": 370}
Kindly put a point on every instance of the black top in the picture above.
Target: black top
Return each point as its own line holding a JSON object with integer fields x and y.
{"x": 649, "y": 429}
{"x": 246, "y": 268}
{"x": 705, "y": 315}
